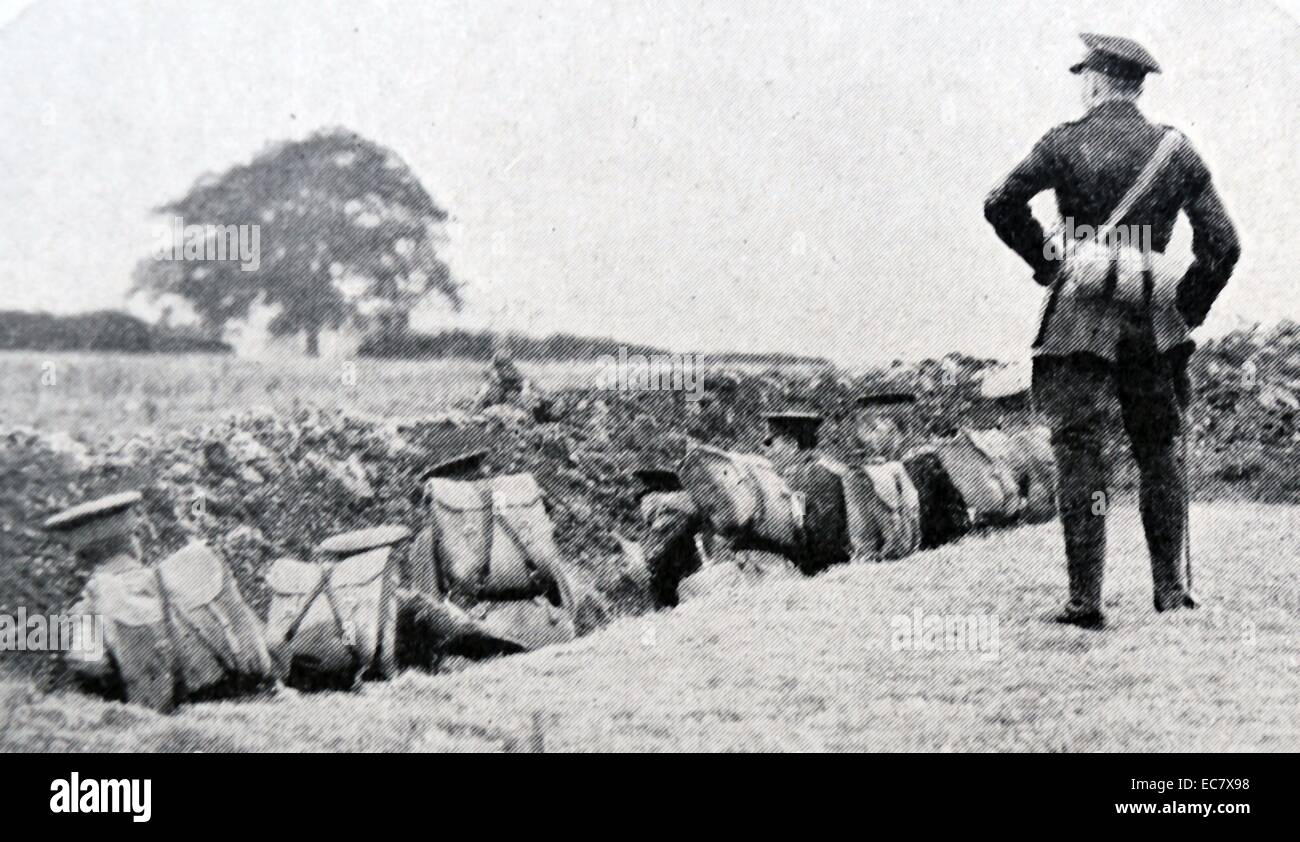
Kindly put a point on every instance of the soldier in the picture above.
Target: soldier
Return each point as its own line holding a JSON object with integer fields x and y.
{"x": 101, "y": 534}
{"x": 792, "y": 445}
{"x": 673, "y": 526}
{"x": 465, "y": 465}
{"x": 429, "y": 626}
{"x": 358, "y": 611}
{"x": 884, "y": 424}
{"x": 1095, "y": 349}
{"x": 177, "y": 629}
{"x": 505, "y": 384}
{"x": 791, "y": 436}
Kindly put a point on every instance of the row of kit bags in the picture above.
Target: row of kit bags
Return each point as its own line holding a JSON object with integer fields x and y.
{"x": 819, "y": 511}
{"x": 485, "y": 578}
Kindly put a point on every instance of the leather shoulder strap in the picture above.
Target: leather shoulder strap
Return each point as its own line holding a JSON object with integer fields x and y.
{"x": 1164, "y": 151}
{"x": 169, "y": 629}
{"x": 292, "y": 630}
{"x": 344, "y": 627}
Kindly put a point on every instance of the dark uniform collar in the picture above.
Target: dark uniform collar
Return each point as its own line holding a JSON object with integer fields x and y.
{"x": 1115, "y": 108}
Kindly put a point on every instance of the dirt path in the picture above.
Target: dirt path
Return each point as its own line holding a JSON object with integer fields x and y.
{"x": 824, "y": 664}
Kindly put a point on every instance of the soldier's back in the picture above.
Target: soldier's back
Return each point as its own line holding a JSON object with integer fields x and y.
{"x": 1099, "y": 157}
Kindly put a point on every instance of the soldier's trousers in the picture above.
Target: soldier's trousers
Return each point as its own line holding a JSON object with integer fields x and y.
{"x": 1077, "y": 395}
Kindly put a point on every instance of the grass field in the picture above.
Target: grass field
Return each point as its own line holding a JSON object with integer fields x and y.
{"x": 90, "y": 394}
{"x": 93, "y": 394}
{"x": 814, "y": 665}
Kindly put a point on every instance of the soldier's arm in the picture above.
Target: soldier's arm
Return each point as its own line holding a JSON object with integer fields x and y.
{"x": 668, "y": 523}
{"x": 671, "y": 553}
{"x": 1215, "y": 248}
{"x": 82, "y": 656}
{"x": 1007, "y": 207}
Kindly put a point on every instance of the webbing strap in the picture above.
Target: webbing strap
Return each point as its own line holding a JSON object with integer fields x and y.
{"x": 346, "y": 634}
{"x": 208, "y": 644}
{"x": 290, "y": 632}
{"x": 513, "y": 535}
{"x": 169, "y": 634}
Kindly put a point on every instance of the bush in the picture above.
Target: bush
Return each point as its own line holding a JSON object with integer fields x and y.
{"x": 102, "y": 330}
{"x": 480, "y": 345}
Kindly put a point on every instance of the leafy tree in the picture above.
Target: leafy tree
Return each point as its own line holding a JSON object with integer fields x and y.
{"x": 346, "y": 232}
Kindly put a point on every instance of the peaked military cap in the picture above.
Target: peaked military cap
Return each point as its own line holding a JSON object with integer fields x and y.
{"x": 883, "y": 398}
{"x": 1112, "y": 55}
{"x": 801, "y": 426}
{"x": 95, "y": 520}
{"x": 659, "y": 479}
{"x": 351, "y": 543}
{"x": 461, "y": 463}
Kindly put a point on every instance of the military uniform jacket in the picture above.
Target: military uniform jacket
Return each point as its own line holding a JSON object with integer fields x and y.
{"x": 1090, "y": 164}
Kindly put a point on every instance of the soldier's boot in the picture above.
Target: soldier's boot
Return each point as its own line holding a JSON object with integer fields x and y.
{"x": 1084, "y": 504}
{"x": 1071, "y": 615}
{"x": 1163, "y": 489}
{"x": 1085, "y": 553}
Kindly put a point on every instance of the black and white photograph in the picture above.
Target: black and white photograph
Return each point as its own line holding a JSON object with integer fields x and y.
{"x": 650, "y": 376}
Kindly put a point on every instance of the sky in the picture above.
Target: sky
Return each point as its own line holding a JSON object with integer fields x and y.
{"x": 701, "y": 175}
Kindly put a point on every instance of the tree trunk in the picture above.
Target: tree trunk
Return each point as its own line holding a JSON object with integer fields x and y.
{"x": 313, "y": 341}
